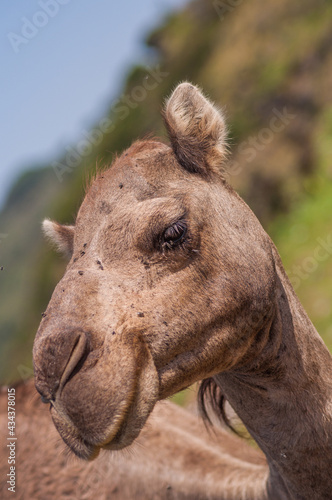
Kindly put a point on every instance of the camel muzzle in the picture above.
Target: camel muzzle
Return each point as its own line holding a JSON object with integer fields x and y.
{"x": 100, "y": 395}
{"x": 56, "y": 360}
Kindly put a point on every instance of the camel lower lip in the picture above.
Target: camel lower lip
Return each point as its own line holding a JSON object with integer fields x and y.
{"x": 88, "y": 451}
{"x": 81, "y": 446}
{"x": 118, "y": 441}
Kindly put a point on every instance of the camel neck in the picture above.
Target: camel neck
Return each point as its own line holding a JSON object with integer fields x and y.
{"x": 284, "y": 398}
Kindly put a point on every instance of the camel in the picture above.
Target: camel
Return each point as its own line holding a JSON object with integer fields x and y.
{"x": 173, "y": 458}
{"x": 173, "y": 280}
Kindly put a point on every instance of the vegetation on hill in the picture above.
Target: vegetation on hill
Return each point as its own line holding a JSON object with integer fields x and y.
{"x": 270, "y": 68}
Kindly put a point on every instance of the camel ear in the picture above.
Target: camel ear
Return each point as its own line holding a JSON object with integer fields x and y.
{"x": 196, "y": 130}
{"x": 61, "y": 236}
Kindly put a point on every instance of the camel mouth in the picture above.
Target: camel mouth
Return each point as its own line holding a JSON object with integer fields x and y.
{"x": 72, "y": 438}
{"x": 83, "y": 446}
{"x": 105, "y": 405}
{"x": 121, "y": 433}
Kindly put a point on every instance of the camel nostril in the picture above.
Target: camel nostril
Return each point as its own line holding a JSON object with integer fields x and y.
{"x": 76, "y": 359}
{"x": 57, "y": 356}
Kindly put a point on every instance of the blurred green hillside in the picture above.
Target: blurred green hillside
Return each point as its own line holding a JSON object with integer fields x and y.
{"x": 269, "y": 67}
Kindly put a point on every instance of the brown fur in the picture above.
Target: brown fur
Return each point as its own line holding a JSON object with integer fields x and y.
{"x": 173, "y": 458}
{"x": 172, "y": 280}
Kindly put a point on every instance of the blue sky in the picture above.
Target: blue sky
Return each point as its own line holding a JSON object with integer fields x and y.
{"x": 63, "y": 61}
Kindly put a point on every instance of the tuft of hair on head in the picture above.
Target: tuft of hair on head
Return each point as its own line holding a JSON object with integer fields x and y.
{"x": 196, "y": 129}
{"x": 60, "y": 235}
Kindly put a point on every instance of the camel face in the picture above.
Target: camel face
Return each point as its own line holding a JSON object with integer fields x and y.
{"x": 171, "y": 279}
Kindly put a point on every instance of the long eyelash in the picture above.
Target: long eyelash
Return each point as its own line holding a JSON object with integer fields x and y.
{"x": 177, "y": 227}
{"x": 167, "y": 246}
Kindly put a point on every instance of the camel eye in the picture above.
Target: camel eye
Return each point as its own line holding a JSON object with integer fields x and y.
{"x": 174, "y": 235}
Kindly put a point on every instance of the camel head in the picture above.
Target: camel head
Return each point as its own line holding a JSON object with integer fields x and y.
{"x": 171, "y": 279}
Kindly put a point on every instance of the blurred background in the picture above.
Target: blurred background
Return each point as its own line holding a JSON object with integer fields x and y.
{"x": 82, "y": 80}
